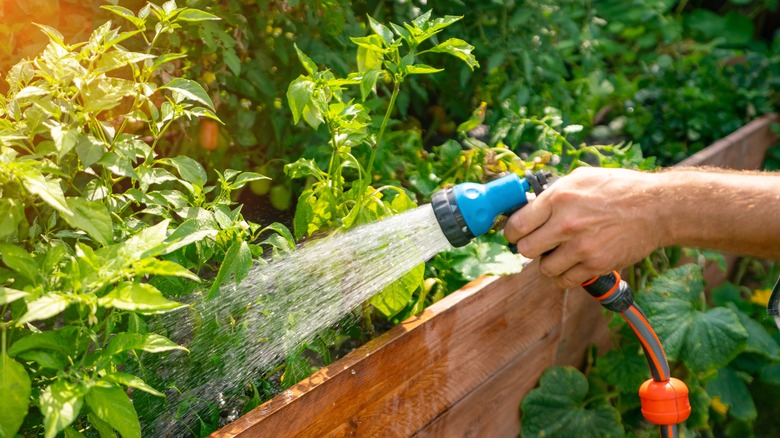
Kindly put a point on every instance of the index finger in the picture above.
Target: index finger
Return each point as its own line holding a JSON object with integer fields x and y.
{"x": 527, "y": 219}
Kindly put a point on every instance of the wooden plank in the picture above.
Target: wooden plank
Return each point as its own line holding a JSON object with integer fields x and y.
{"x": 743, "y": 149}
{"x": 401, "y": 381}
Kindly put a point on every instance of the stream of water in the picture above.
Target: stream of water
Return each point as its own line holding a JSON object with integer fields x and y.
{"x": 249, "y": 328}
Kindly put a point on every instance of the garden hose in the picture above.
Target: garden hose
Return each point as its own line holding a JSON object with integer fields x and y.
{"x": 468, "y": 210}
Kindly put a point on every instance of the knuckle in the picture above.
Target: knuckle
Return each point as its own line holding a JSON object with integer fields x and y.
{"x": 525, "y": 250}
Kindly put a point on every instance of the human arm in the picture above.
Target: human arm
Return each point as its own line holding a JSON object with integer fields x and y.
{"x": 596, "y": 220}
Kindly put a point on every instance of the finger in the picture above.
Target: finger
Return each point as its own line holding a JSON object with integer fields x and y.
{"x": 575, "y": 276}
{"x": 558, "y": 261}
{"x": 527, "y": 219}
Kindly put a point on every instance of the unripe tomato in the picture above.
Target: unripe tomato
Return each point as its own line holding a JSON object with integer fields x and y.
{"x": 262, "y": 186}
{"x": 281, "y": 197}
{"x": 209, "y": 134}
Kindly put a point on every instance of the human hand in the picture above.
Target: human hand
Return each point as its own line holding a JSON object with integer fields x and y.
{"x": 588, "y": 223}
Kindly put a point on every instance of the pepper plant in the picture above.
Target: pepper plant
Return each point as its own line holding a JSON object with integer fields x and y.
{"x": 342, "y": 196}
{"x": 97, "y": 230}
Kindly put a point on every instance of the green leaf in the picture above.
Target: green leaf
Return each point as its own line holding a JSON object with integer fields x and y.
{"x": 238, "y": 260}
{"x": 734, "y": 393}
{"x": 48, "y": 190}
{"x": 91, "y": 217}
{"x": 11, "y": 215}
{"x": 190, "y": 90}
{"x": 45, "y": 307}
{"x": 422, "y": 69}
{"x": 119, "y": 58}
{"x": 20, "y": 261}
{"x": 138, "y": 297}
{"x": 368, "y": 82}
{"x": 485, "y": 258}
{"x": 8, "y": 295}
{"x": 704, "y": 340}
{"x": 61, "y": 340}
{"x": 298, "y": 96}
{"x": 308, "y": 64}
{"x": 64, "y": 139}
{"x": 759, "y": 341}
{"x": 124, "y": 13}
{"x": 132, "y": 381}
{"x": 189, "y": 169}
{"x": 232, "y": 61}
{"x": 558, "y": 408}
{"x": 396, "y": 296}
{"x": 190, "y": 231}
{"x": 195, "y": 15}
{"x": 304, "y": 168}
{"x": 459, "y": 49}
{"x": 60, "y": 405}
{"x": 370, "y": 53}
{"x": 89, "y": 150}
{"x": 15, "y": 388}
{"x": 112, "y": 405}
{"x": 153, "y": 266}
{"x": 380, "y": 29}
{"x": 245, "y": 177}
{"x": 148, "y": 342}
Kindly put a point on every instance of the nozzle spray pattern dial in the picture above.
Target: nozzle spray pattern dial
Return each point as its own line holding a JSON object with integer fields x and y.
{"x": 469, "y": 209}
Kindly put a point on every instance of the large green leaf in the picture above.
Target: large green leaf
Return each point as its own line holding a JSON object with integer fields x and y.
{"x": 396, "y": 296}
{"x": 189, "y": 89}
{"x": 189, "y": 169}
{"x": 132, "y": 381}
{"x": 153, "y": 266}
{"x": 11, "y": 214}
{"x": 8, "y": 295}
{"x": 60, "y": 404}
{"x": 91, "y": 217}
{"x": 48, "y": 190}
{"x": 299, "y": 94}
{"x": 20, "y": 261}
{"x": 759, "y": 340}
{"x": 704, "y": 339}
{"x": 15, "y": 389}
{"x": 485, "y": 258}
{"x": 62, "y": 340}
{"x": 460, "y": 49}
{"x": 112, "y": 405}
{"x": 148, "y": 342}
{"x": 138, "y": 297}
{"x": 734, "y": 393}
{"x": 557, "y": 408}
{"x": 45, "y": 307}
{"x": 238, "y": 261}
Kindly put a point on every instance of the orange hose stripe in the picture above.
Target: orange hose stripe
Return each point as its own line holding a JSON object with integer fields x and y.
{"x": 646, "y": 346}
{"x": 614, "y": 287}
{"x": 589, "y": 282}
{"x": 650, "y": 328}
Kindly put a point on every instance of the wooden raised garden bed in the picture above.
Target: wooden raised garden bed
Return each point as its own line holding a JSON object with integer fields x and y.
{"x": 462, "y": 367}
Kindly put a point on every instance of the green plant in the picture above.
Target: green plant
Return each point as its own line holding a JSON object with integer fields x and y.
{"x": 98, "y": 231}
{"x": 717, "y": 348}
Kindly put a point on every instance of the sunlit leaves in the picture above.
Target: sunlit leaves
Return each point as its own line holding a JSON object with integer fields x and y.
{"x": 15, "y": 388}
{"x": 459, "y": 49}
{"x": 60, "y": 404}
{"x": 148, "y": 342}
{"x": 397, "y": 294}
{"x": 189, "y": 89}
{"x": 112, "y": 405}
{"x": 138, "y": 297}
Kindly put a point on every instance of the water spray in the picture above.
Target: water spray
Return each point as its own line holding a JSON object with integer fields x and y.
{"x": 468, "y": 210}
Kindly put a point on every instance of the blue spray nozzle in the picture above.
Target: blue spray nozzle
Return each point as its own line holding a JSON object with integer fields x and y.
{"x": 469, "y": 209}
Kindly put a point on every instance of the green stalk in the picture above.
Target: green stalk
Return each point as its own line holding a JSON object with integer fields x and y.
{"x": 390, "y": 107}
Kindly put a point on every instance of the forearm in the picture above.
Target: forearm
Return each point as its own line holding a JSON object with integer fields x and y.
{"x": 728, "y": 211}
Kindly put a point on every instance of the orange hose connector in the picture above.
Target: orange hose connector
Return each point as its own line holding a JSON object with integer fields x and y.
{"x": 665, "y": 403}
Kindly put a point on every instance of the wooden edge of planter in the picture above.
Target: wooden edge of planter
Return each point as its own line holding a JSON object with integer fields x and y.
{"x": 743, "y": 149}
{"x": 463, "y": 363}
{"x": 462, "y": 366}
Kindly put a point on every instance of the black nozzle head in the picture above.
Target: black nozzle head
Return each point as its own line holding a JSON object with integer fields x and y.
{"x": 450, "y": 218}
